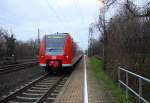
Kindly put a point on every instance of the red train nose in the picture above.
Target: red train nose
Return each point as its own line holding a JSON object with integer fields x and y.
{"x": 54, "y": 64}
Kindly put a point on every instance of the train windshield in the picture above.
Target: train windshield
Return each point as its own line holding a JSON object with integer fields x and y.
{"x": 55, "y": 44}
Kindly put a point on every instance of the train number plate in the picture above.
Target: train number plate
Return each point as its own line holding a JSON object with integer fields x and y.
{"x": 53, "y": 57}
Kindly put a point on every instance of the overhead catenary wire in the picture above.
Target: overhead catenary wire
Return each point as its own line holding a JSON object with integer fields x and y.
{"x": 5, "y": 18}
{"x": 54, "y": 11}
{"x": 61, "y": 10}
{"x": 61, "y": 15}
{"x": 77, "y": 5}
{"x": 78, "y": 8}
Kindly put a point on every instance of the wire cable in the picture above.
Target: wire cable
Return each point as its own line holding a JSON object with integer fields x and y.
{"x": 53, "y": 10}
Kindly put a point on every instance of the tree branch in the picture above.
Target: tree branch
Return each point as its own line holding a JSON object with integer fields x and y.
{"x": 146, "y": 14}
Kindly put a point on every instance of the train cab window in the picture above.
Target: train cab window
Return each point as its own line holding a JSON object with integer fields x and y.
{"x": 55, "y": 44}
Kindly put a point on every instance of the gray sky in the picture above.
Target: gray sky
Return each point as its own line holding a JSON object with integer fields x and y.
{"x": 24, "y": 17}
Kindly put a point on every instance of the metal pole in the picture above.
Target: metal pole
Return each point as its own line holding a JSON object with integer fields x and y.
{"x": 38, "y": 35}
{"x": 140, "y": 89}
{"x": 119, "y": 76}
{"x": 127, "y": 85}
{"x": 105, "y": 36}
{"x": 88, "y": 45}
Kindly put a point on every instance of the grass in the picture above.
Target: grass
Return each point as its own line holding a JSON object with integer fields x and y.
{"x": 97, "y": 67}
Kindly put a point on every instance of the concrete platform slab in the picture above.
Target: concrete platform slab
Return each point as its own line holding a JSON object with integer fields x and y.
{"x": 73, "y": 92}
{"x": 73, "y": 89}
{"x": 97, "y": 92}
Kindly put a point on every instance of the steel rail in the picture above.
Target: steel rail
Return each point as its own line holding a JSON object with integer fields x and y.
{"x": 5, "y": 100}
{"x": 15, "y": 67}
{"x": 43, "y": 98}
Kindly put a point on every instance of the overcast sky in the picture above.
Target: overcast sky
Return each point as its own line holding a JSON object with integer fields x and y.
{"x": 24, "y": 17}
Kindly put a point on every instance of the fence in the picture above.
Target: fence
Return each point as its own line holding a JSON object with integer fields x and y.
{"x": 125, "y": 84}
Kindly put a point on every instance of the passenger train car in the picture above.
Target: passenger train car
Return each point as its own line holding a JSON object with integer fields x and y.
{"x": 57, "y": 51}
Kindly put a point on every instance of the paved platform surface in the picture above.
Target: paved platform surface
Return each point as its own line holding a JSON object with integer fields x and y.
{"x": 97, "y": 92}
{"x": 74, "y": 88}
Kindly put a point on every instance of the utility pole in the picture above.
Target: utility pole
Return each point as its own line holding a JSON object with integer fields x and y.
{"x": 88, "y": 51}
{"x": 105, "y": 36}
{"x": 38, "y": 35}
{"x": 90, "y": 40}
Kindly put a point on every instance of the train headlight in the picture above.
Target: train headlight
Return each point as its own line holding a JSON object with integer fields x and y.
{"x": 42, "y": 55}
{"x": 67, "y": 56}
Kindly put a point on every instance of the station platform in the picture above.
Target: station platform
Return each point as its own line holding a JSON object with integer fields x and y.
{"x": 74, "y": 92}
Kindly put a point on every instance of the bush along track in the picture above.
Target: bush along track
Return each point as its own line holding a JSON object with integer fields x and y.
{"x": 97, "y": 67}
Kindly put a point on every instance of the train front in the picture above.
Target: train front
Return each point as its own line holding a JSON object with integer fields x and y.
{"x": 55, "y": 52}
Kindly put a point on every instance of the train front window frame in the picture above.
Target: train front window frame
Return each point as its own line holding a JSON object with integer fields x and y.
{"x": 55, "y": 44}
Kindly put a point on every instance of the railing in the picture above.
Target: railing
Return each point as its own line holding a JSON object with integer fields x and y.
{"x": 99, "y": 57}
{"x": 140, "y": 81}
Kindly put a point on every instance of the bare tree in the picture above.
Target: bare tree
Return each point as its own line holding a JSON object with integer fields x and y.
{"x": 125, "y": 38}
{"x": 9, "y": 47}
{"x": 145, "y": 13}
{"x": 10, "y": 43}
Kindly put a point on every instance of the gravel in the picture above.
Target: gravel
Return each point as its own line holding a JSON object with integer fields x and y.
{"x": 11, "y": 81}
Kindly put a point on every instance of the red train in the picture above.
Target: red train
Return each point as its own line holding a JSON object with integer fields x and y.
{"x": 57, "y": 51}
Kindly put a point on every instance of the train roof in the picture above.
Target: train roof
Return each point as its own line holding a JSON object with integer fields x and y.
{"x": 58, "y": 34}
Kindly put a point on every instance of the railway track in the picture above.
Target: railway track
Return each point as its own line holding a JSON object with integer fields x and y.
{"x": 16, "y": 67}
{"x": 44, "y": 89}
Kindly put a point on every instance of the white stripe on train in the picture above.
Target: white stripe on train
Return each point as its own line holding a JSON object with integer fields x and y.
{"x": 63, "y": 65}
{"x": 66, "y": 65}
